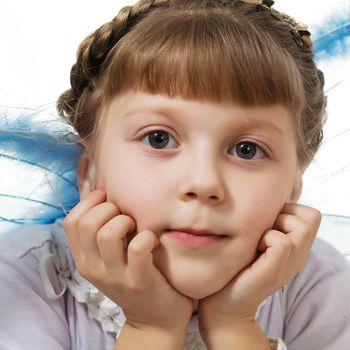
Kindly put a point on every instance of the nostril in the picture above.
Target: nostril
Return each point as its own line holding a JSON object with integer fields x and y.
{"x": 193, "y": 195}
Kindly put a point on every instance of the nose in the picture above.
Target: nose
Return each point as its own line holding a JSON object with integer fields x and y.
{"x": 202, "y": 181}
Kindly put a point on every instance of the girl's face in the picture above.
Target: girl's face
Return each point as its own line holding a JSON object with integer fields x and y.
{"x": 208, "y": 179}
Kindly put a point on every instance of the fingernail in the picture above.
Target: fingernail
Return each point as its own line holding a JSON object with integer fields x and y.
{"x": 100, "y": 189}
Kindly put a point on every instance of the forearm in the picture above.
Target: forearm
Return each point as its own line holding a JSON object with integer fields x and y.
{"x": 132, "y": 338}
{"x": 245, "y": 336}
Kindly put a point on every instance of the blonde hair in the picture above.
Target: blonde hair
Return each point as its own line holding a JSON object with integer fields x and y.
{"x": 219, "y": 51}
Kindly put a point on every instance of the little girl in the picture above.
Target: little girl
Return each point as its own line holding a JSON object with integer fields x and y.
{"x": 198, "y": 119}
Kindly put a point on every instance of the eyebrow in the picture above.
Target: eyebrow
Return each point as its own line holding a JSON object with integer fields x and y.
{"x": 257, "y": 124}
{"x": 250, "y": 122}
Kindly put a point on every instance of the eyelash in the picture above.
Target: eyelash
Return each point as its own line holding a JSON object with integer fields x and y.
{"x": 165, "y": 137}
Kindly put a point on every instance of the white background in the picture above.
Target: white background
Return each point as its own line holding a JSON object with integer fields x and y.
{"x": 39, "y": 39}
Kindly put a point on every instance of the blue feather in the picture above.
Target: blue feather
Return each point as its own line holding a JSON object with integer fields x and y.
{"x": 38, "y": 159}
{"x": 333, "y": 38}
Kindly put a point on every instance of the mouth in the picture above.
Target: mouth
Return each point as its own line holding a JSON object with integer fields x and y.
{"x": 195, "y": 238}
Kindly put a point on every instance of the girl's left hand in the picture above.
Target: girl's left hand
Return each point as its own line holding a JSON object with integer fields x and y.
{"x": 282, "y": 253}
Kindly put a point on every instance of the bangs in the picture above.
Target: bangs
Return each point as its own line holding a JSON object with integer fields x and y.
{"x": 208, "y": 56}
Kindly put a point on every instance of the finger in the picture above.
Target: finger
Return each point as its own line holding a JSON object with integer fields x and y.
{"x": 276, "y": 250}
{"x": 111, "y": 241}
{"x": 89, "y": 225}
{"x": 287, "y": 223}
{"x": 275, "y": 244}
{"x": 71, "y": 221}
{"x": 90, "y": 201}
{"x": 140, "y": 259}
{"x": 301, "y": 232}
{"x": 304, "y": 212}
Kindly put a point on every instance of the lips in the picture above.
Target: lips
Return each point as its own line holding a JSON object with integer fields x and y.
{"x": 195, "y": 238}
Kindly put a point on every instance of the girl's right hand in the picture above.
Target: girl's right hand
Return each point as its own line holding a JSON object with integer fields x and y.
{"x": 96, "y": 234}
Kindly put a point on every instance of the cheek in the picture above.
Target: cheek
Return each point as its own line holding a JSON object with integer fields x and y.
{"x": 135, "y": 194}
{"x": 260, "y": 203}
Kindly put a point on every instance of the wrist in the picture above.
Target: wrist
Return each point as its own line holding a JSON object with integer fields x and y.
{"x": 134, "y": 335}
{"x": 238, "y": 334}
{"x": 177, "y": 328}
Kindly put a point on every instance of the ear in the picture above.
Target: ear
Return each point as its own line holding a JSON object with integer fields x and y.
{"x": 85, "y": 172}
{"x": 298, "y": 187}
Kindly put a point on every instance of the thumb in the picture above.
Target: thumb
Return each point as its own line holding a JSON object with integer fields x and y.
{"x": 140, "y": 258}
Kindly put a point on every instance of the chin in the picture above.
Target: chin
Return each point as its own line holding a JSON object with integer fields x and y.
{"x": 195, "y": 288}
{"x": 194, "y": 278}
{"x": 194, "y": 292}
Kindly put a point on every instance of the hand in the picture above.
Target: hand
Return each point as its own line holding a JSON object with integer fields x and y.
{"x": 282, "y": 253}
{"x": 96, "y": 234}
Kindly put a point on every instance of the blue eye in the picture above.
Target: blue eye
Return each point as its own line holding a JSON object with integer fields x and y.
{"x": 159, "y": 140}
{"x": 247, "y": 150}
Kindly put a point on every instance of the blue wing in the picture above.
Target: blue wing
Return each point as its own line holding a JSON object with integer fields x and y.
{"x": 328, "y": 175}
{"x": 333, "y": 37}
{"x": 38, "y": 159}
